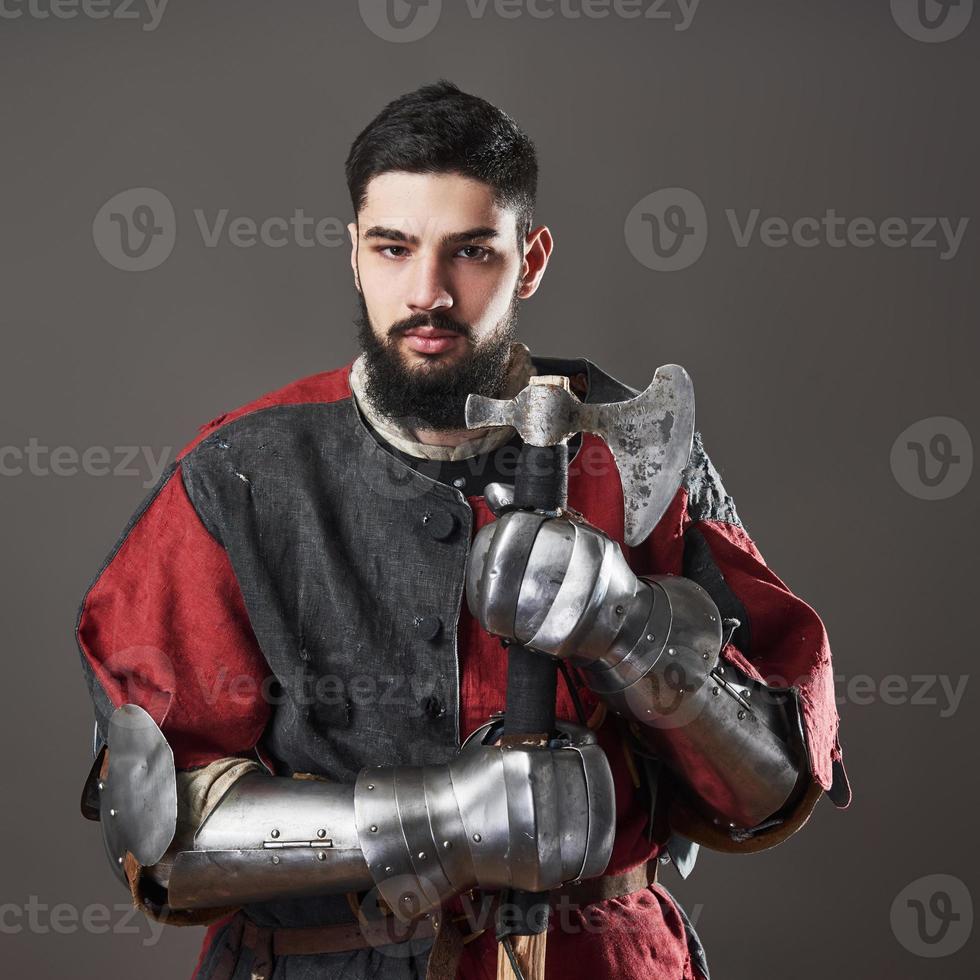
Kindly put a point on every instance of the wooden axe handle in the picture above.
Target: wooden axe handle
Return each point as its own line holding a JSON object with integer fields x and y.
{"x": 532, "y": 679}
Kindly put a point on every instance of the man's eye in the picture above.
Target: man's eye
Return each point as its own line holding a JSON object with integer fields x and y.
{"x": 400, "y": 249}
{"x": 475, "y": 251}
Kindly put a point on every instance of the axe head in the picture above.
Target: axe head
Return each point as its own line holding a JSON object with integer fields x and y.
{"x": 650, "y": 436}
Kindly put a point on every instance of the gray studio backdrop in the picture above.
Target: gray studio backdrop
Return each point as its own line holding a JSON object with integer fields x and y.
{"x": 779, "y": 195}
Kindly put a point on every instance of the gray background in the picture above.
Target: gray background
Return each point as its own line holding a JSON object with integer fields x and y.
{"x": 808, "y": 363}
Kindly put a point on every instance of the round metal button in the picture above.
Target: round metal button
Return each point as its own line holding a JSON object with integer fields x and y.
{"x": 439, "y": 523}
{"x": 428, "y": 626}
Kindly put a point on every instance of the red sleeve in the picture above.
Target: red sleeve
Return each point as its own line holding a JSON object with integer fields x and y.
{"x": 789, "y": 644}
{"x": 164, "y": 626}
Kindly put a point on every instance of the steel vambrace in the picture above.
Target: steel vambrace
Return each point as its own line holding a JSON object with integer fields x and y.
{"x": 650, "y": 647}
{"x": 532, "y": 817}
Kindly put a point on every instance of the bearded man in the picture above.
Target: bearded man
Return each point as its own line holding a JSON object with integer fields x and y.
{"x": 294, "y": 703}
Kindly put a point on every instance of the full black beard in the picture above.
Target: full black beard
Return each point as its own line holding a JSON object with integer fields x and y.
{"x": 433, "y": 396}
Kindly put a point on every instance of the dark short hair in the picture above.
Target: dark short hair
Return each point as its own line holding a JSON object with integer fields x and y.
{"x": 439, "y": 129}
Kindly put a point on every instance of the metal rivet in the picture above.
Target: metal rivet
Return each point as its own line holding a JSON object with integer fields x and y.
{"x": 477, "y": 838}
{"x": 275, "y": 834}
{"x": 620, "y": 610}
{"x": 704, "y": 656}
{"x": 714, "y": 691}
{"x": 421, "y": 855}
{"x": 112, "y": 813}
{"x": 721, "y": 670}
{"x": 275, "y": 859}
{"x": 374, "y": 828}
{"x": 119, "y": 860}
{"x": 741, "y": 715}
{"x": 447, "y": 845}
{"x": 406, "y": 898}
{"x": 388, "y": 870}
{"x": 370, "y": 785}
{"x": 321, "y": 856}
{"x": 459, "y": 482}
{"x": 670, "y": 650}
{"x": 746, "y": 693}
{"x": 321, "y": 833}
{"x": 426, "y": 517}
{"x": 101, "y": 785}
{"x": 650, "y": 637}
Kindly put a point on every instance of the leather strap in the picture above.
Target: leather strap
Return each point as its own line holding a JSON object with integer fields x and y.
{"x": 599, "y": 889}
{"x": 268, "y": 943}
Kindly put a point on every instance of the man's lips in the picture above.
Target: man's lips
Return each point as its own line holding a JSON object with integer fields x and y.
{"x": 431, "y": 340}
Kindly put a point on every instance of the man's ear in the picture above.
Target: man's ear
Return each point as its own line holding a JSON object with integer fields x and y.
{"x": 537, "y": 250}
{"x": 352, "y": 231}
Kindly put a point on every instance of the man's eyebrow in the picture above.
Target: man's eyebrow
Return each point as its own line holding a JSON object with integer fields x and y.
{"x": 453, "y": 238}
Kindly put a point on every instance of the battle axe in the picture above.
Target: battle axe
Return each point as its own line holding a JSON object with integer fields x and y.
{"x": 650, "y": 438}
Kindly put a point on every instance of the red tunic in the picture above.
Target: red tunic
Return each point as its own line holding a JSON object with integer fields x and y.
{"x": 165, "y": 621}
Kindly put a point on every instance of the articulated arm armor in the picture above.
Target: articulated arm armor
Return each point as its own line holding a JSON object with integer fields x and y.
{"x": 494, "y": 816}
{"x": 650, "y": 648}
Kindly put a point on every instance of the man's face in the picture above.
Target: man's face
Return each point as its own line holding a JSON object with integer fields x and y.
{"x": 439, "y": 274}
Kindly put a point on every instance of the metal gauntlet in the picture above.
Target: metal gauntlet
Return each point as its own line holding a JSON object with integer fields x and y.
{"x": 494, "y": 816}
{"x": 651, "y": 648}
{"x": 735, "y": 741}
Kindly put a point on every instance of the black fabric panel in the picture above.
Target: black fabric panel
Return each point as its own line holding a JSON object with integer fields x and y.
{"x": 700, "y": 566}
{"x": 707, "y": 499}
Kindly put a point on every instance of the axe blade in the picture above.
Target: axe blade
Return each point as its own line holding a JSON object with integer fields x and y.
{"x": 650, "y": 437}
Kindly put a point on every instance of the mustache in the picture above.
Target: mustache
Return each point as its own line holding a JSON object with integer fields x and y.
{"x": 438, "y": 320}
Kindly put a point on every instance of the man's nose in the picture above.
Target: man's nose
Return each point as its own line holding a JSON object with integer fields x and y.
{"x": 429, "y": 288}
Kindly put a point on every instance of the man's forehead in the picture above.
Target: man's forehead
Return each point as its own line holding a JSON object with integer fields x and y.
{"x": 433, "y": 206}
